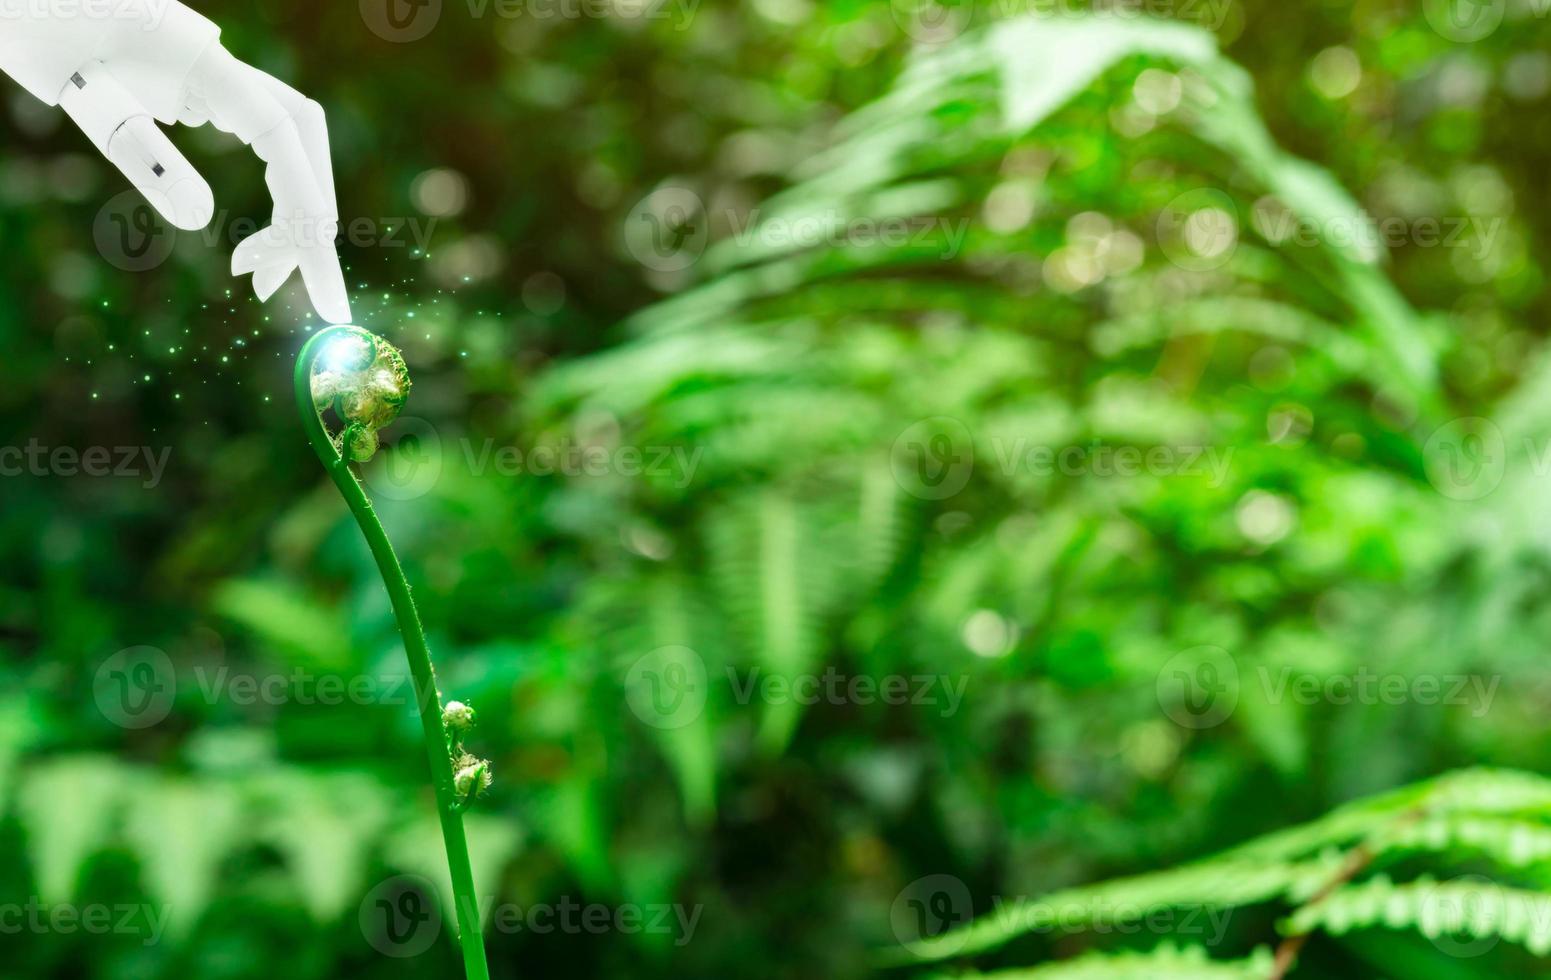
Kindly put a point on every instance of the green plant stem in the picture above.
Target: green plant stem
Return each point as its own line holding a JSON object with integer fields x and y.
{"x": 470, "y": 925}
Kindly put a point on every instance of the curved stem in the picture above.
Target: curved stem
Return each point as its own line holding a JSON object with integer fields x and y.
{"x": 470, "y": 925}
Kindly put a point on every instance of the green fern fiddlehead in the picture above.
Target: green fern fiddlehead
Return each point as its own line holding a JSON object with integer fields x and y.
{"x": 364, "y": 380}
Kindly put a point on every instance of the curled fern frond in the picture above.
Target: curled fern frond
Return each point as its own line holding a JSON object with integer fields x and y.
{"x": 365, "y": 381}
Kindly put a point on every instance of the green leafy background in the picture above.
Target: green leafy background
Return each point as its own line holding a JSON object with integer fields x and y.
{"x": 792, "y": 395}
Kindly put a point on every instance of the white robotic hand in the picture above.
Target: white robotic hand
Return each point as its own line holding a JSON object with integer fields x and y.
{"x": 119, "y": 66}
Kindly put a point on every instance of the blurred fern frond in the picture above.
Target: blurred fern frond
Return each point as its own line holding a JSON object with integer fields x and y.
{"x": 1336, "y": 875}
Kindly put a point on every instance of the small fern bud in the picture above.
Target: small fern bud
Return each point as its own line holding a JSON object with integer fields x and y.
{"x": 363, "y": 444}
{"x": 458, "y": 717}
{"x": 472, "y": 779}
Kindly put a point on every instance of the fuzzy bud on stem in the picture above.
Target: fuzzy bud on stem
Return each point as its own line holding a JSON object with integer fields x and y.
{"x": 457, "y": 716}
{"x": 363, "y": 378}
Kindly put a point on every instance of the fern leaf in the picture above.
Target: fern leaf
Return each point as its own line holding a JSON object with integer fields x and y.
{"x": 691, "y": 747}
{"x": 1167, "y": 962}
{"x": 325, "y": 826}
{"x": 1213, "y": 884}
{"x": 1475, "y": 908}
{"x": 67, "y": 808}
{"x": 879, "y": 525}
{"x": 1472, "y": 806}
{"x": 1508, "y": 842}
{"x": 181, "y": 831}
{"x": 771, "y": 573}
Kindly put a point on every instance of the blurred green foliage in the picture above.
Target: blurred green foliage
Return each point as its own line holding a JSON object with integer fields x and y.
{"x": 595, "y": 236}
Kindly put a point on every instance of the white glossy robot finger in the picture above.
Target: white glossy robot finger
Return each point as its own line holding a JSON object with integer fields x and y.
{"x": 298, "y": 237}
{"x": 284, "y": 129}
{"x": 325, "y": 281}
{"x": 245, "y": 101}
{"x": 124, "y": 131}
{"x": 312, "y": 127}
{"x": 268, "y": 280}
